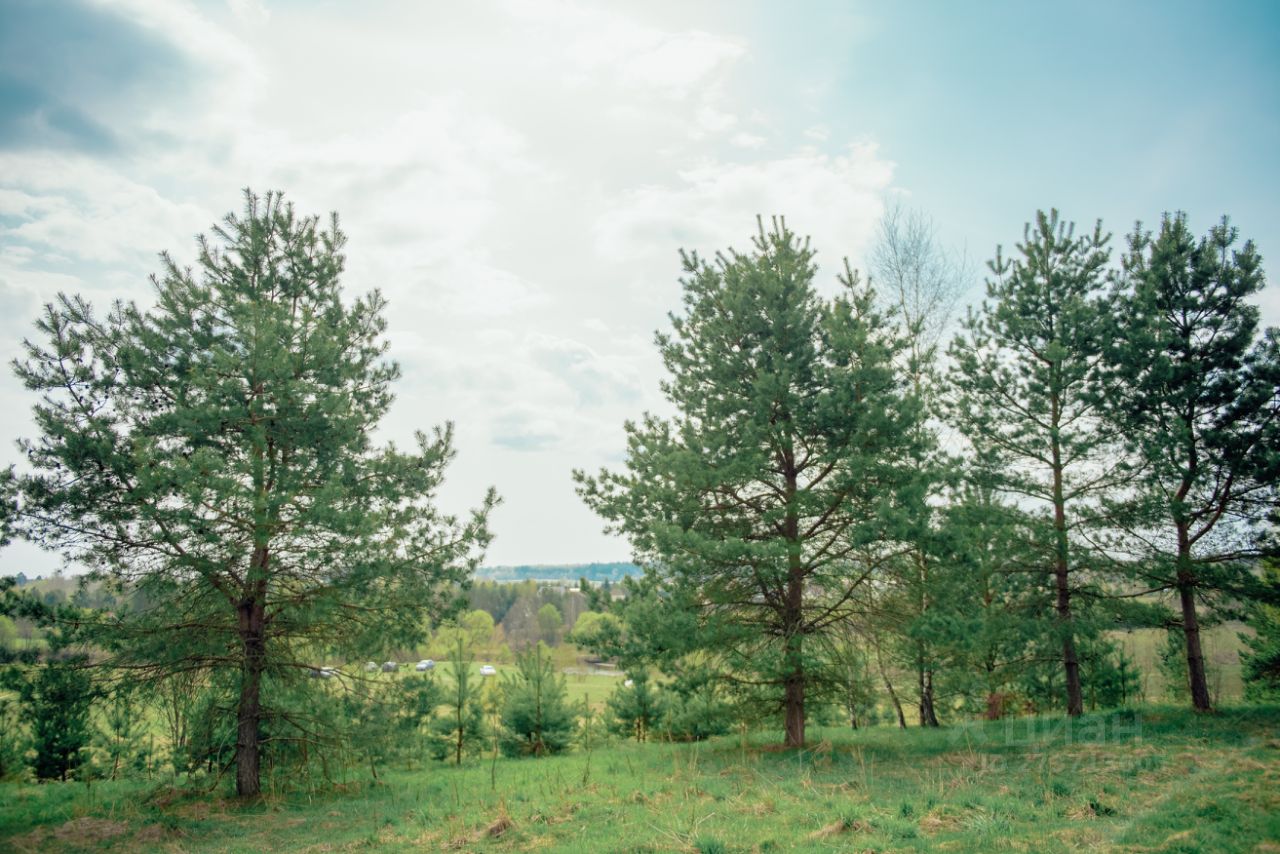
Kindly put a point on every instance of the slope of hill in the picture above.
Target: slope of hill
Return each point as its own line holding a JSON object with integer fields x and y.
{"x": 1145, "y": 779}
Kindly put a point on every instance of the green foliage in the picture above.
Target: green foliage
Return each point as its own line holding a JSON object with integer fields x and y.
{"x": 1192, "y": 387}
{"x": 851, "y": 679}
{"x": 202, "y": 714}
{"x": 1173, "y": 665}
{"x": 1025, "y": 377}
{"x": 372, "y": 711}
{"x": 214, "y": 455}
{"x": 14, "y": 739}
{"x": 56, "y": 699}
{"x": 1262, "y": 656}
{"x": 460, "y": 729}
{"x": 421, "y": 694}
{"x": 1110, "y": 677}
{"x": 479, "y": 626}
{"x": 596, "y": 631}
{"x": 537, "y": 719}
{"x": 695, "y": 708}
{"x": 120, "y": 729}
{"x": 635, "y": 710}
{"x": 778, "y": 487}
{"x": 550, "y": 622}
{"x": 991, "y": 617}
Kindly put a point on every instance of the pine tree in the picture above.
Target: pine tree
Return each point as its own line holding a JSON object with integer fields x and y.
{"x": 1195, "y": 392}
{"x": 460, "y": 727}
{"x": 121, "y": 728}
{"x": 57, "y": 696}
{"x": 635, "y": 706}
{"x": 994, "y": 618}
{"x": 1261, "y": 657}
{"x": 214, "y": 455}
{"x": 1024, "y": 379}
{"x": 537, "y": 719}
{"x": 778, "y": 488}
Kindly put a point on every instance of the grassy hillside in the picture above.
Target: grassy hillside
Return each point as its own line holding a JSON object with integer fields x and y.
{"x": 1158, "y": 779}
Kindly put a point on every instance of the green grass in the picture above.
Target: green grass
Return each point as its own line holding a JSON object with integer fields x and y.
{"x": 1158, "y": 779}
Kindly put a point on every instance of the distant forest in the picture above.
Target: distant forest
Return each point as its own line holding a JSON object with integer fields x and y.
{"x": 597, "y": 572}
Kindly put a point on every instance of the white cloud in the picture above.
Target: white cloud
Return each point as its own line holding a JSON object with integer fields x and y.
{"x": 835, "y": 199}
{"x": 516, "y": 178}
{"x": 75, "y": 206}
{"x": 250, "y": 12}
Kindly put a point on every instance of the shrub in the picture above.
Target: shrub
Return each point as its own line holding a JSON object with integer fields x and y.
{"x": 695, "y": 709}
{"x": 635, "y": 710}
{"x": 536, "y": 716}
{"x": 57, "y": 698}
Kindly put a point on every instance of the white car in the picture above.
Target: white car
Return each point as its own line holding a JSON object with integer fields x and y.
{"x": 370, "y": 667}
{"x": 488, "y": 670}
{"x": 390, "y": 667}
{"x": 425, "y": 665}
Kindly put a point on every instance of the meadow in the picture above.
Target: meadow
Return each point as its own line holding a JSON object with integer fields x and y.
{"x": 1144, "y": 779}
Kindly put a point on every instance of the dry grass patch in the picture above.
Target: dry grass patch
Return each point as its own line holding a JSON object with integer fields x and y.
{"x": 83, "y": 832}
{"x": 838, "y": 827}
{"x": 938, "y": 820}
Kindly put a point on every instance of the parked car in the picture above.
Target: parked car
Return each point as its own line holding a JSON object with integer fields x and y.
{"x": 425, "y": 665}
{"x": 488, "y": 670}
{"x": 322, "y": 672}
{"x": 370, "y": 667}
{"x": 390, "y": 667}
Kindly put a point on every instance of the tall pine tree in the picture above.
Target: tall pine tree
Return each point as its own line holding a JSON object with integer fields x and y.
{"x": 214, "y": 456}
{"x": 778, "y": 488}
{"x": 1196, "y": 393}
{"x": 1024, "y": 380}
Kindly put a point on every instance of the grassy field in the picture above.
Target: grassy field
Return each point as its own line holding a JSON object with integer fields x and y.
{"x": 1156, "y": 779}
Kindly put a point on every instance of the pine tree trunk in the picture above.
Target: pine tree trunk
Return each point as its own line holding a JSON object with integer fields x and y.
{"x": 1061, "y": 573}
{"x": 928, "y": 717}
{"x": 795, "y": 709}
{"x": 1075, "y": 697}
{"x": 252, "y": 626}
{"x": 794, "y": 680}
{"x": 793, "y": 620}
{"x": 1191, "y": 625}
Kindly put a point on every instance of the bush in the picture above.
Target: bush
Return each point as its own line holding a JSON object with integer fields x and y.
{"x": 460, "y": 729}
{"x": 57, "y": 699}
{"x": 536, "y": 717}
{"x": 120, "y": 730}
{"x": 695, "y": 709}
{"x": 1261, "y": 659}
{"x": 635, "y": 710}
{"x": 13, "y": 740}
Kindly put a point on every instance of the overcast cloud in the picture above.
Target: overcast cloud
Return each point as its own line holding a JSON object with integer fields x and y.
{"x": 516, "y": 177}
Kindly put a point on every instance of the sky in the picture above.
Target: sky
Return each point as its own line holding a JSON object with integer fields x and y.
{"x": 517, "y": 176}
